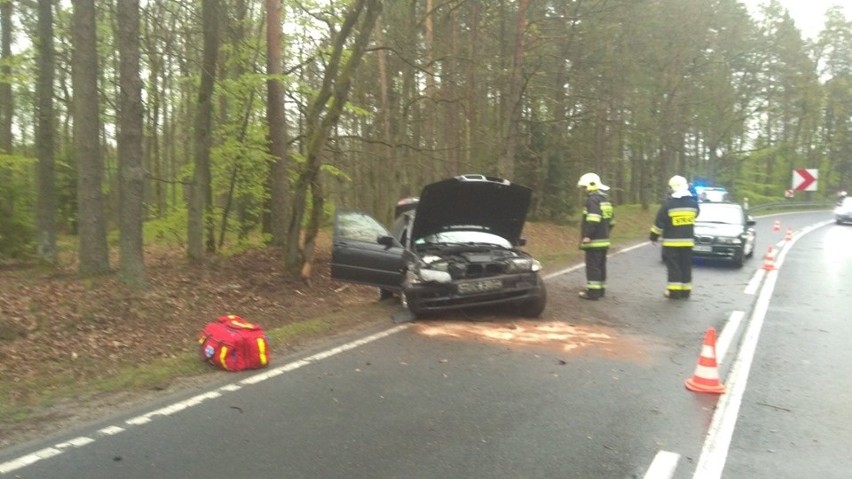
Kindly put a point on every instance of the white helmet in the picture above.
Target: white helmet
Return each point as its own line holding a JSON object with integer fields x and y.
{"x": 678, "y": 183}
{"x": 591, "y": 181}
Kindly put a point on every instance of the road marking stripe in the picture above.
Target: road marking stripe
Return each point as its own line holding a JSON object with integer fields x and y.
{"x": 57, "y": 449}
{"x": 28, "y": 459}
{"x": 723, "y": 342}
{"x": 754, "y": 284}
{"x": 714, "y": 453}
{"x": 111, "y": 430}
{"x": 718, "y": 440}
{"x": 663, "y": 466}
{"x": 76, "y": 442}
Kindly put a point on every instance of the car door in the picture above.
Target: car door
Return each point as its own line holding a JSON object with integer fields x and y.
{"x": 359, "y": 256}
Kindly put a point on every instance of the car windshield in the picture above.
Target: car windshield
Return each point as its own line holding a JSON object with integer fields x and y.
{"x": 725, "y": 214}
{"x": 712, "y": 194}
{"x": 463, "y": 237}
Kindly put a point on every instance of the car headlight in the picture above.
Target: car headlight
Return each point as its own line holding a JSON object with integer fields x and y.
{"x": 431, "y": 258}
{"x": 425, "y": 275}
{"x": 726, "y": 240}
{"x": 521, "y": 265}
{"x": 439, "y": 266}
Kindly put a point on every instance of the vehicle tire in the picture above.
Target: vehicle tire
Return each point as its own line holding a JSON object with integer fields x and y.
{"x": 412, "y": 306}
{"x": 738, "y": 259}
{"x": 534, "y": 307}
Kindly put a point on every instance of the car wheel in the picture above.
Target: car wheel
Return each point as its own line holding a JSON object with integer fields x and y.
{"x": 738, "y": 259}
{"x": 412, "y": 306}
{"x": 534, "y": 307}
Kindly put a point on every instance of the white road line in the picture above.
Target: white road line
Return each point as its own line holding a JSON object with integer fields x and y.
{"x": 57, "y": 449}
{"x": 578, "y": 266}
{"x": 714, "y": 454}
{"x": 665, "y": 462}
{"x": 754, "y": 284}
{"x": 111, "y": 430}
{"x": 28, "y": 459}
{"x": 663, "y": 466}
{"x": 723, "y": 343}
{"x": 718, "y": 439}
{"x": 76, "y": 442}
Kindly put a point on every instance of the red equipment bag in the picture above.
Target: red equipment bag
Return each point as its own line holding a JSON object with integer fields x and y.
{"x": 234, "y": 344}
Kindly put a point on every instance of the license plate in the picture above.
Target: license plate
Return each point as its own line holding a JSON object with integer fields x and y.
{"x": 471, "y": 287}
{"x": 700, "y": 248}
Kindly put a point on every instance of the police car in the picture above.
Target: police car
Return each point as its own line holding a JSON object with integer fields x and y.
{"x": 724, "y": 231}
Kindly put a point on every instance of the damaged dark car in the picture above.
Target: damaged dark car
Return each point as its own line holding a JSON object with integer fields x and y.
{"x": 456, "y": 246}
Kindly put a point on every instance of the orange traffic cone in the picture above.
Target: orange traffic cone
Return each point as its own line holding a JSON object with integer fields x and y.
{"x": 706, "y": 376}
{"x": 777, "y": 226}
{"x": 789, "y": 235}
{"x": 769, "y": 259}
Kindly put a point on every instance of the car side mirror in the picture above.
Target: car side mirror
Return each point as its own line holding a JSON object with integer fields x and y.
{"x": 386, "y": 241}
{"x": 522, "y": 241}
{"x": 750, "y": 221}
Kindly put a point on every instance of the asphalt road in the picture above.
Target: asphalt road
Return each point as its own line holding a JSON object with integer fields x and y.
{"x": 591, "y": 390}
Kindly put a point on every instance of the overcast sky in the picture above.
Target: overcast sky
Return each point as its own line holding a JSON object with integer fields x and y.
{"x": 808, "y": 14}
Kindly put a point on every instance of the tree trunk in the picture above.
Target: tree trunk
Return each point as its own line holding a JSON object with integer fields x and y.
{"x": 6, "y": 101}
{"x": 131, "y": 170}
{"x": 323, "y": 113}
{"x": 46, "y": 203}
{"x": 473, "y": 126}
{"x": 430, "y": 91}
{"x": 451, "y": 131}
{"x": 512, "y": 115}
{"x": 200, "y": 191}
{"x": 93, "y": 248}
{"x": 279, "y": 182}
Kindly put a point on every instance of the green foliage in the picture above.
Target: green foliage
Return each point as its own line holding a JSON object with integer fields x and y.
{"x": 633, "y": 91}
{"x": 17, "y": 206}
{"x": 168, "y": 230}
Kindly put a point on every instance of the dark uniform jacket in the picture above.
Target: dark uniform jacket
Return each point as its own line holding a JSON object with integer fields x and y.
{"x": 598, "y": 220}
{"x": 675, "y": 222}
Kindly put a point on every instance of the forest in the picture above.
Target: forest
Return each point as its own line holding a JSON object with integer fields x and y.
{"x": 212, "y": 123}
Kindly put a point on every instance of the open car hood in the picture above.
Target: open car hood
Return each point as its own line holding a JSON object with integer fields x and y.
{"x": 472, "y": 202}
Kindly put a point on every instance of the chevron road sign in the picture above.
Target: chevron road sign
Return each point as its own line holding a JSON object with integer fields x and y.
{"x": 805, "y": 179}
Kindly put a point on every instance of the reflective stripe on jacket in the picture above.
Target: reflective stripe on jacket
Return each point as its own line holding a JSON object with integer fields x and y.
{"x": 675, "y": 222}
{"x": 598, "y": 219}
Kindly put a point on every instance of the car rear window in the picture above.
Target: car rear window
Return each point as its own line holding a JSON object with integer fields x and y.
{"x": 722, "y": 213}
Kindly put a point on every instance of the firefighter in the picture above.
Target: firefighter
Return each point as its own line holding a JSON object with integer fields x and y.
{"x": 675, "y": 224}
{"x": 596, "y": 224}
